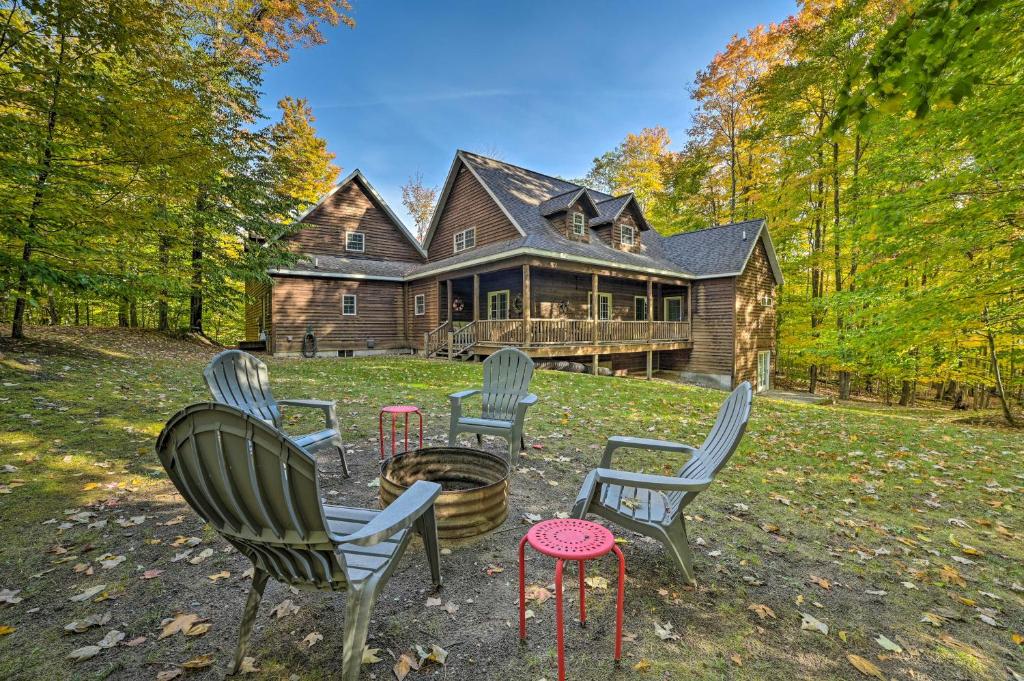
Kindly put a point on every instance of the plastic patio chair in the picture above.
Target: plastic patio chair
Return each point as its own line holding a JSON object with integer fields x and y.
{"x": 260, "y": 490}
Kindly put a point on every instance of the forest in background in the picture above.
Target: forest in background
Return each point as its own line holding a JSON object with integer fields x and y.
{"x": 883, "y": 140}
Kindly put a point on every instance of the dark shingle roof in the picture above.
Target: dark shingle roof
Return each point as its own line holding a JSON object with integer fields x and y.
{"x": 715, "y": 250}
{"x": 562, "y": 202}
{"x": 359, "y": 267}
{"x": 610, "y": 208}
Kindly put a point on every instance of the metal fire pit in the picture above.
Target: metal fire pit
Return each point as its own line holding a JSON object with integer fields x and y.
{"x": 474, "y": 497}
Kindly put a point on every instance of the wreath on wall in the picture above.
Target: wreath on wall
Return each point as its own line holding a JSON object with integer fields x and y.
{"x": 458, "y": 304}
{"x": 563, "y": 307}
{"x": 517, "y": 304}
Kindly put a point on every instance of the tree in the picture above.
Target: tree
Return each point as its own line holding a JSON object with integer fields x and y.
{"x": 419, "y": 200}
{"x": 307, "y": 168}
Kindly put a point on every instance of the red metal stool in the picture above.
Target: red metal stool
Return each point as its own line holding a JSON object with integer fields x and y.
{"x": 395, "y": 410}
{"x": 578, "y": 540}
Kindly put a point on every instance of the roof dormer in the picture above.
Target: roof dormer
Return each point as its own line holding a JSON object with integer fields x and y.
{"x": 620, "y": 222}
{"x": 570, "y": 213}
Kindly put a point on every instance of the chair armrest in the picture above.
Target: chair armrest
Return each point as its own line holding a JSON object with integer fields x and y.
{"x": 645, "y": 481}
{"x": 523, "y": 404}
{"x": 400, "y": 515}
{"x": 328, "y": 407}
{"x": 462, "y": 394}
{"x": 456, "y": 402}
{"x": 619, "y": 442}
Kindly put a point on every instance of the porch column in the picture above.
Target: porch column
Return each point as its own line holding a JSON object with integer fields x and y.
{"x": 595, "y": 308}
{"x": 594, "y": 366}
{"x": 448, "y": 302}
{"x": 650, "y": 311}
{"x": 476, "y": 297}
{"x": 689, "y": 310}
{"x": 650, "y": 364}
{"x": 527, "y": 331}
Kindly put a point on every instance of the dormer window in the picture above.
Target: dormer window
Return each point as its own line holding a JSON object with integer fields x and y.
{"x": 627, "y": 235}
{"x": 355, "y": 242}
{"x": 579, "y": 224}
{"x": 465, "y": 239}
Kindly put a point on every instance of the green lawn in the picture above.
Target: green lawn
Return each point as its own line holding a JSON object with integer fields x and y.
{"x": 868, "y": 520}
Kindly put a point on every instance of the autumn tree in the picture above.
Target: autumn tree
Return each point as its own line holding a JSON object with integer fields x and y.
{"x": 419, "y": 201}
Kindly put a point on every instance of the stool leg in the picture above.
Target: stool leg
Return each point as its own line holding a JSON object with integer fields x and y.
{"x": 420, "y": 414}
{"x": 559, "y": 623}
{"x": 583, "y": 598}
{"x": 620, "y": 604}
{"x": 380, "y": 424}
{"x": 406, "y": 431}
{"x": 522, "y": 590}
{"x": 394, "y": 418}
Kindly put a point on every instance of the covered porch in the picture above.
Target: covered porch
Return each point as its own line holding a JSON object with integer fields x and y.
{"x": 556, "y": 310}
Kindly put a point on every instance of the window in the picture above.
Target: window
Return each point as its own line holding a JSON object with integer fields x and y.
{"x": 419, "y": 304}
{"x": 627, "y": 235}
{"x": 578, "y": 224}
{"x": 640, "y": 308}
{"x": 355, "y": 241}
{"x": 604, "y": 306}
{"x": 674, "y": 309}
{"x": 465, "y": 239}
{"x": 348, "y": 304}
{"x": 497, "y": 305}
{"x": 766, "y": 300}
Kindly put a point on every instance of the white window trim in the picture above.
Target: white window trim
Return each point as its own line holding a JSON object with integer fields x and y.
{"x": 579, "y": 228}
{"x": 623, "y": 229}
{"x": 362, "y": 242}
{"x": 600, "y": 297}
{"x": 636, "y": 308}
{"x": 419, "y": 305}
{"x": 682, "y": 312}
{"x": 463, "y": 233}
{"x": 508, "y": 303}
{"x": 355, "y": 305}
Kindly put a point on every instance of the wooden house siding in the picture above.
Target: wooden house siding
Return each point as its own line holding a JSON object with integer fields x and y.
{"x": 469, "y": 205}
{"x": 430, "y": 319}
{"x": 352, "y": 209}
{"x": 300, "y": 301}
{"x": 258, "y": 309}
{"x": 755, "y": 321}
{"x": 712, "y": 311}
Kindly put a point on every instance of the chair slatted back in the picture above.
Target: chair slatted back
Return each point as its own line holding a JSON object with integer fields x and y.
{"x": 724, "y": 437}
{"x": 256, "y": 487}
{"x": 507, "y": 375}
{"x": 239, "y": 379}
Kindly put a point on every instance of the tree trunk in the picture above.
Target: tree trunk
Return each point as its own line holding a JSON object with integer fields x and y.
{"x": 18, "y": 323}
{"x": 195, "y": 317}
{"x": 76, "y": 313}
{"x": 844, "y": 385}
{"x": 1000, "y": 390}
{"x": 133, "y": 313}
{"x": 52, "y": 311}
{"x": 812, "y": 383}
{"x": 163, "y": 323}
{"x": 122, "y": 312}
{"x": 906, "y": 393}
{"x": 957, "y": 391}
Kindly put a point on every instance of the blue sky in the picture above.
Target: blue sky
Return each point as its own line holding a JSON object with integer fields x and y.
{"x": 547, "y": 85}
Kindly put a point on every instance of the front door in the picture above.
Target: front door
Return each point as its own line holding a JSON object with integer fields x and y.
{"x": 764, "y": 370}
{"x": 497, "y": 305}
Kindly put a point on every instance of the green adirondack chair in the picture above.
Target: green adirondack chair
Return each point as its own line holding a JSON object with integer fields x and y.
{"x": 239, "y": 379}
{"x": 653, "y": 504}
{"x": 260, "y": 490}
{"x": 505, "y": 396}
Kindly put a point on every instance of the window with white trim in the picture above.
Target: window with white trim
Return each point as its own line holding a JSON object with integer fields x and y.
{"x": 627, "y": 235}
{"x": 674, "y": 309}
{"x": 640, "y": 308}
{"x": 604, "y": 306}
{"x": 465, "y": 240}
{"x": 348, "y": 304}
{"x": 497, "y": 304}
{"x": 579, "y": 224}
{"x": 355, "y": 242}
{"x": 420, "y": 304}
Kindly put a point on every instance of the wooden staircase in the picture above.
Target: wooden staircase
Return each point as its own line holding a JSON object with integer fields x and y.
{"x": 450, "y": 343}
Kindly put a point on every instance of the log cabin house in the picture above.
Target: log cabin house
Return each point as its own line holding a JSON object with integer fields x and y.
{"x": 516, "y": 257}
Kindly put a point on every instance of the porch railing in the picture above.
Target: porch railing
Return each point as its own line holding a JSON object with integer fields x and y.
{"x": 501, "y": 331}
{"x": 561, "y": 331}
{"x": 622, "y": 331}
{"x": 577, "y": 331}
{"x": 671, "y": 331}
{"x": 434, "y": 340}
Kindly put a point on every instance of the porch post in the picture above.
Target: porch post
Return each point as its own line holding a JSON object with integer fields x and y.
{"x": 595, "y": 308}
{"x": 527, "y": 331}
{"x": 650, "y": 311}
{"x": 689, "y": 310}
{"x": 650, "y": 364}
{"x": 594, "y": 367}
{"x": 476, "y": 297}
{"x": 449, "y": 301}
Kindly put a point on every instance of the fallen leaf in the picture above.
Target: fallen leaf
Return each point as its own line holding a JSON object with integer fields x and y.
{"x": 736, "y": 660}
{"x": 223, "y": 574}
{"x": 201, "y": 556}
{"x": 664, "y": 632}
{"x": 181, "y": 622}
{"x": 370, "y": 655}
{"x": 933, "y": 619}
{"x": 84, "y": 653}
{"x": 112, "y": 638}
{"x": 312, "y": 639}
{"x": 151, "y": 574}
{"x": 6, "y": 629}
{"x": 94, "y": 620}
{"x": 823, "y": 583}
{"x": 537, "y": 593}
{"x": 88, "y": 593}
{"x": 10, "y": 597}
{"x": 437, "y": 654}
{"x": 248, "y": 666}
{"x": 763, "y": 611}
{"x": 887, "y": 644}
{"x": 169, "y": 674}
{"x": 109, "y": 561}
{"x": 642, "y": 666}
{"x": 865, "y": 667}
{"x": 404, "y": 665}
{"x": 284, "y": 608}
{"x": 811, "y": 623}
{"x": 596, "y": 582}
{"x": 494, "y": 570}
{"x": 200, "y": 662}
{"x": 198, "y": 629}
{"x": 433, "y": 602}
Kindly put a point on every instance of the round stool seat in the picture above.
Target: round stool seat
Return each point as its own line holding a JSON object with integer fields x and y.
{"x": 570, "y": 539}
{"x": 400, "y": 409}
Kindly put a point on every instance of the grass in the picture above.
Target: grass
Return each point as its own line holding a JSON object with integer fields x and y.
{"x": 912, "y": 504}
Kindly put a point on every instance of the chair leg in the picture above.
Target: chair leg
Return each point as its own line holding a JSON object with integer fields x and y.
{"x": 252, "y": 604}
{"x": 678, "y": 547}
{"x": 357, "y": 626}
{"x": 479, "y": 440}
{"x": 427, "y": 527}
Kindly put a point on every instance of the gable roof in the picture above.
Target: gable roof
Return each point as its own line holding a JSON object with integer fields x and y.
{"x": 610, "y": 210}
{"x": 565, "y": 201}
{"x": 358, "y": 177}
{"x": 721, "y": 251}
